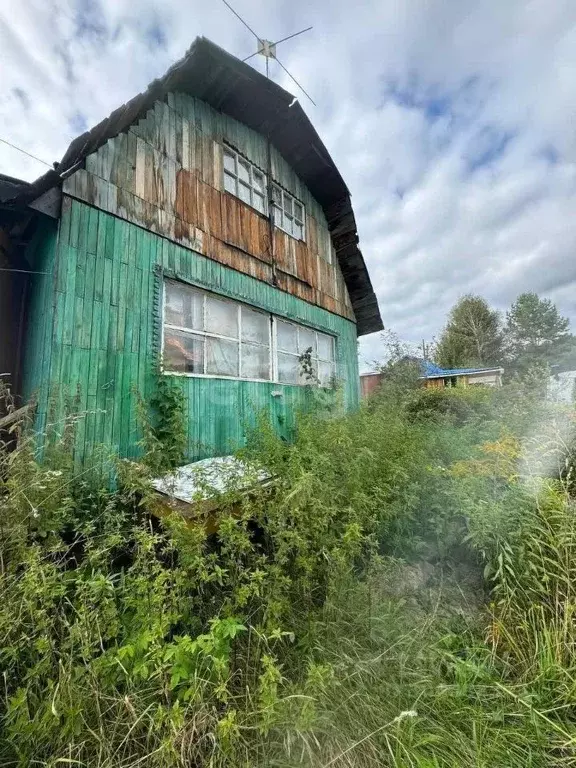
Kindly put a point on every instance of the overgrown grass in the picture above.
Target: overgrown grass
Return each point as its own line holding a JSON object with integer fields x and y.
{"x": 403, "y": 597}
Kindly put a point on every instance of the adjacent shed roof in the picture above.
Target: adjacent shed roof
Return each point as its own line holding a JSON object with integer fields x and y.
{"x": 10, "y": 187}
{"x": 237, "y": 89}
{"x": 432, "y": 371}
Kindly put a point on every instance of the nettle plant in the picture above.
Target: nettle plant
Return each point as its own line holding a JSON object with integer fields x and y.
{"x": 163, "y": 423}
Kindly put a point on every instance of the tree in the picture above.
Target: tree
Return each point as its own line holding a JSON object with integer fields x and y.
{"x": 472, "y": 336}
{"x": 536, "y": 333}
{"x": 402, "y": 366}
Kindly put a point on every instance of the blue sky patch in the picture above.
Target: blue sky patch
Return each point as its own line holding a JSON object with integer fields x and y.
{"x": 77, "y": 123}
{"x": 489, "y": 146}
{"x": 90, "y": 20}
{"x": 155, "y": 35}
{"x": 550, "y": 154}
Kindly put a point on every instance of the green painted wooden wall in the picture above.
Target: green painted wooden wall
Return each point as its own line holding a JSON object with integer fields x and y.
{"x": 93, "y": 326}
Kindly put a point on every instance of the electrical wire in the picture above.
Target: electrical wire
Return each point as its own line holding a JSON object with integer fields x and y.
{"x": 39, "y": 159}
{"x": 24, "y": 271}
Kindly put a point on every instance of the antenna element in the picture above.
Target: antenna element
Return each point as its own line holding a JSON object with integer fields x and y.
{"x": 267, "y": 48}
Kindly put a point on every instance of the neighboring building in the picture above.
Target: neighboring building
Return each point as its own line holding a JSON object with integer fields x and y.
{"x": 203, "y": 224}
{"x": 369, "y": 383}
{"x": 434, "y": 377}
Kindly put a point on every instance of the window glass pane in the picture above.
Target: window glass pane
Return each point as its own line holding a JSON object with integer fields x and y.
{"x": 277, "y": 195}
{"x": 258, "y": 202}
{"x": 244, "y": 192}
{"x": 288, "y": 223}
{"x": 221, "y": 357}
{"x": 255, "y": 362}
{"x": 325, "y": 347}
{"x": 306, "y": 340}
{"x": 243, "y": 170}
{"x": 298, "y": 211}
{"x": 297, "y": 231}
{"x": 221, "y": 317}
{"x": 286, "y": 337}
{"x": 287, "y": 203}
{"x": 229, "y": 183}
{"x": 258, "y": 181}
{"x": 255, "y": 326}
{"x": 326, "y": 374}
{"x": 230, "y": 161}
{"x": 183, "y": 306}
{"x": 288, "y": 368}
{"x": 277, "y": 215}
{"x": 183, "y": 352}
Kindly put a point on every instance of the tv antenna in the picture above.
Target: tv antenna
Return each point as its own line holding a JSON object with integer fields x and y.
{"x": 267, "y": 48}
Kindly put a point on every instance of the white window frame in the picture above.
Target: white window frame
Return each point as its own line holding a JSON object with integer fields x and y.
{"x": 226, "y": 149}
{"x": 316, "y": 359}
{"x": 289, "y": 203}
{"x": 211, "y": 335}
{"x": 280, "y": 213}
{"x": 272, "y": 345}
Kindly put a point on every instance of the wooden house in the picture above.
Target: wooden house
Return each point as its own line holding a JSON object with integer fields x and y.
{"x": 202, "y": 227}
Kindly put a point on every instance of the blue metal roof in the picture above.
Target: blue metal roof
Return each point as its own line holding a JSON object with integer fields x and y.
{"x": 430, "y": 370}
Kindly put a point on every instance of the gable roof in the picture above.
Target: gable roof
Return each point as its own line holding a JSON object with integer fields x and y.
{"x": 237, "y": 89}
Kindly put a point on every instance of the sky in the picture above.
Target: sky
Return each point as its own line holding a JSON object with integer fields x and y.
{"x": 453, "y": 123}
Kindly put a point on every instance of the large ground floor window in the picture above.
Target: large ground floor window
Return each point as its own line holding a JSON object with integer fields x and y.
{"x": 208, "y": 335}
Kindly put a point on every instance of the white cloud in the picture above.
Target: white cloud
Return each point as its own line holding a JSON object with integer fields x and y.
{"x": 452, "y": 123}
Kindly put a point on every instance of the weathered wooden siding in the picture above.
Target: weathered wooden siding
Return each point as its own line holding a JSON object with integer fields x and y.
{"x": 165, "y": 174}
{"x": 93, "y": 322}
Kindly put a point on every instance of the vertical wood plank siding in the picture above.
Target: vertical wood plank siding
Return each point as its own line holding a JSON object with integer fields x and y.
{"x": 166, "y": 175}
{"x": 92, "y": 326}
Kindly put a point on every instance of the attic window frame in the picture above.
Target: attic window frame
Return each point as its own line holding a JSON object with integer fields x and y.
{"x": 254, "y": 192}
{"x": 281, "y": 211}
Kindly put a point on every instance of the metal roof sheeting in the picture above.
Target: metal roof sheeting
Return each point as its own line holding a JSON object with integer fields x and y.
{"x": 432, "y": 371}
{"x": 237, "y": 89}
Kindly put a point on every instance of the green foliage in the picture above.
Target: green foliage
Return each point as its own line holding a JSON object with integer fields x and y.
{"x": 163, "y": 420}
{"x": 536, "y": 333}
{"x": 337, "y": 617}
{"x": 458, "y": 405}
{"x": 402, "y": 367}
{"x": 472, "y": 336}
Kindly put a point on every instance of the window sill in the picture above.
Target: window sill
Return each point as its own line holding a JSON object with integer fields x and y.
{"x": 262, "y": 215}
{"x": 184, "y": 375}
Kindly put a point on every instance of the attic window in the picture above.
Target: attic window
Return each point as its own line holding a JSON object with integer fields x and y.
{"x": 289, "y": 214}
{"x": 244, "y": 180}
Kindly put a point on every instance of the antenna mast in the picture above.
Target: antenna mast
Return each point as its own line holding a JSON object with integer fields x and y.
{"x": 267, "y": 48}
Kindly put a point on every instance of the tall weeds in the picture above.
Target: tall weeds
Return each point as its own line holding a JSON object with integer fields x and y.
{"x": 336, "y": 619}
